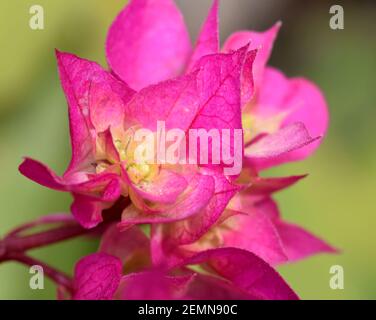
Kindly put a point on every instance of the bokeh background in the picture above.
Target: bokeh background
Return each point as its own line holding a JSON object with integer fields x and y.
{"x": 336, "y": 201}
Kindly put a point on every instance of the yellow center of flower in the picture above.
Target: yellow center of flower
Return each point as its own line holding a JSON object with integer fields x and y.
{"x": 138, "y": 156}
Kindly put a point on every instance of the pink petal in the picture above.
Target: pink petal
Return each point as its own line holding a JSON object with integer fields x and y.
{"x": 247, "y": 80}
{"x": 301, "y": 101}
{"x": 208, "y": 40}
{"x": 219, "y": 90}
{"x": 166, "y": 239}
{"x": 99, "y": 95}
{"x": 96, "y": 101}
{"x": 105, "y": 186}
{"x": 197, "y": 196}
{"x": 262, "y": 41}
{"x": 247, "y": 272}
{"x": 81, "y": 139}
{"x": 97, "y": 277}
{"x": 271, "y": 150}
{"x": 40, "y": 173}
{"x": 106, "y": 108}
{"x": 90, "y": 196}
{"x": 112, "y": 191}
{"x": 266, "y": 204}
{"x": 299, "y": 243}
{"x": 256, "y": 233}
{"x": 274, "y": 90}
{"x": 165, "y": 250}
{"x": 148, "y": 43}
{"x": 174, "y": 101}
{"x": 244, "y": 225}
{"x": 87, "y": 211}
{"x": 261, "y": 185}
{"x": 165, "y": 188}
{"x": 189, "y": 230}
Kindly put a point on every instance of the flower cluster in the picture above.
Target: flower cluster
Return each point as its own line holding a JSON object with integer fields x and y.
{"x": 183, "y": 230}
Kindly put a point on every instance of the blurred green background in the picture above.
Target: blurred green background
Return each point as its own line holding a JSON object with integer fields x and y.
{"x": 336, "y": 201}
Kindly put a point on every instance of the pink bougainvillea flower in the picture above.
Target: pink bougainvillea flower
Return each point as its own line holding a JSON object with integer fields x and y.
{"x": 104, "y": 113}
{"x": 148, "y": 43}
{"x": 213, "y": 235}
{"x": 120, "y": 271}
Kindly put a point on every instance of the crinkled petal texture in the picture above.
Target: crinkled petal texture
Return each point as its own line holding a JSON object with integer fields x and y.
{"x": 219, "y": 87}
{"x": 176, "y": 102}
{"x": 97, "y": 277}
{"x": 218, "y": 84}
{"x": 148, "y": 43}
